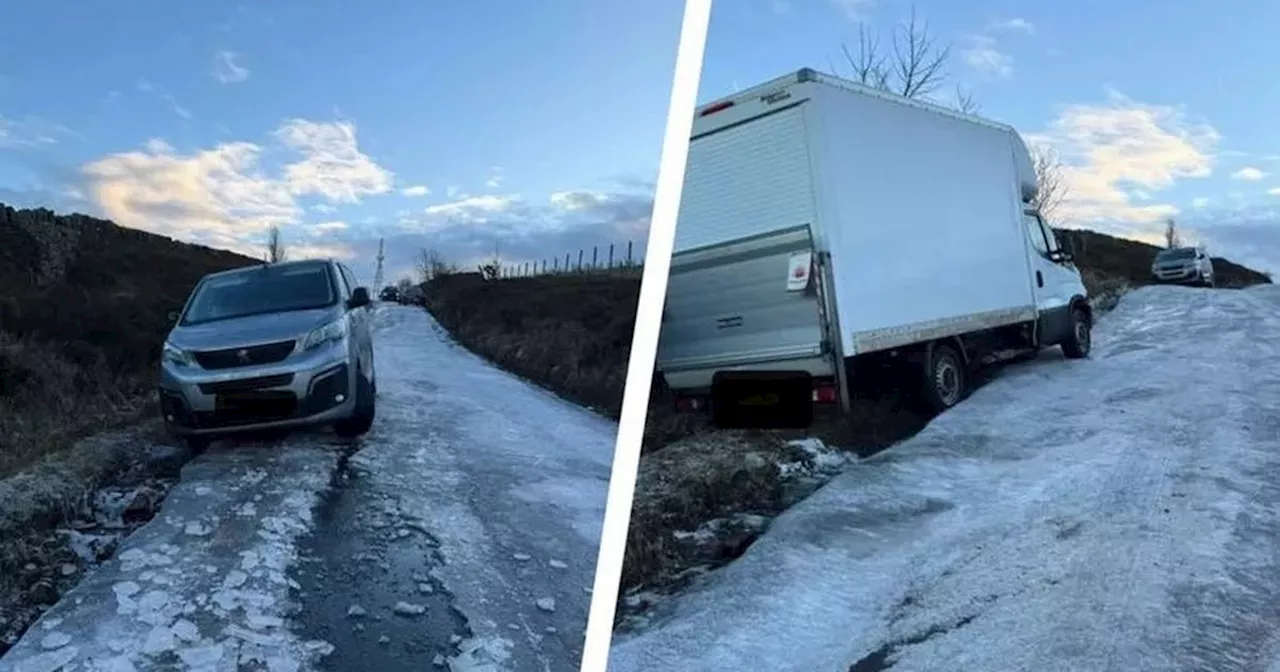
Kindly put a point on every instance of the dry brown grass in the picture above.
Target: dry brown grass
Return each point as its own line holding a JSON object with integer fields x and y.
{"x": 46, "y": 401}
{"x": 79, "y": 339}
{"x": 694, "y": 480}
{"x": 568, "y": 333}
{"x": 691, "y": 474}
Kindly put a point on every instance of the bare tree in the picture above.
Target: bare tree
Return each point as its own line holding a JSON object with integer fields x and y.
{"x": 1171, "y": 238}
{"x": 404, "y": 284}
{"x": 913, "y": 66}
{"x": 1051, "y": 189}
{"x": 492, "y": 269}
{"x": 275, "y": 246}
{"x": 965, "y": 101}
{"x": 431, "y": 265}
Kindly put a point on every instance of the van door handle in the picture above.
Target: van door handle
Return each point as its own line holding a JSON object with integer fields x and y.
{"x": 1039, "y": 279}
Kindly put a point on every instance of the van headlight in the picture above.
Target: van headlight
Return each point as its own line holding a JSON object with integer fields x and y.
{"x": 176, "y": 355}
{"x": 330, "y": 333}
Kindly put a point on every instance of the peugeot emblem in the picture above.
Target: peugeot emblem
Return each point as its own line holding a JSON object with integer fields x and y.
{"x": 243, "y": 356}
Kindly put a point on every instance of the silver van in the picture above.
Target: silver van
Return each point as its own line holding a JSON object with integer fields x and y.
{"x": 270, "y": 346}
{"x": 1183, "y": 265}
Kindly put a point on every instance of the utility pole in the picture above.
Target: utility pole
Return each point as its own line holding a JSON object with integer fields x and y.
{"x": 377, "y": 275}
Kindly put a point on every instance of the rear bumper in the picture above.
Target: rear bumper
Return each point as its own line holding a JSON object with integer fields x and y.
{"x": 686, "y": 379}
{"x": 314, "y": 390}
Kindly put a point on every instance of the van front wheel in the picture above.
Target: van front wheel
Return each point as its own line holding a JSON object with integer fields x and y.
{"x": 1080, "y": 340}
{"x": 361, "y": 421}
{"x": 946, "y": 378}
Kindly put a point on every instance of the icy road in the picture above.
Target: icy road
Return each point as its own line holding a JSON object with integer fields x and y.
{"x": 1118, "y": 513}
{"x": 461, "y": 534}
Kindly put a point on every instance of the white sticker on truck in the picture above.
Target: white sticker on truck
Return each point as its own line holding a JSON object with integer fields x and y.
{"x": 798, "y": 271}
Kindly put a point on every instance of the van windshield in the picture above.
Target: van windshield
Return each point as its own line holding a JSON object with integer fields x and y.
{"x": 1179, "y": 254}
{"x": 261, "y": 290}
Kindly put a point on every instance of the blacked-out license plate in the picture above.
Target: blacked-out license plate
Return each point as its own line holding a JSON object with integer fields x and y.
{"x": 762, "y": 399}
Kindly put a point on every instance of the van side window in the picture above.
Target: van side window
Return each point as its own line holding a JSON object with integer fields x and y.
{"x": 1049, "y": 235}
{"x": 350, "y": 277}
{"x": 1036, "y": 233}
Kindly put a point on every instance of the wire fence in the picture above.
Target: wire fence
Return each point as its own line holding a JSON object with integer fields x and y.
{"x": 596, "y": 260}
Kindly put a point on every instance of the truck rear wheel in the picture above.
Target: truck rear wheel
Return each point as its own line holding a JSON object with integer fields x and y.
{"x": 946, "y": 379}
{"x": 1080, "y": 340}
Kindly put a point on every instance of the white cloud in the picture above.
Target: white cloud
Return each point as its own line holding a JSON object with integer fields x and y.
{"x": 1110, "y": 149}
{"x": 334, "y": 166}
{"x": 855, "y": 10}
{"x": 217, "y": 196}
{"x": 473, "y": 209}
{"x": 328, "y": 227}
{"x": 318, "y": 251}
{"x": 162, "y": 93}
{"x": 324, "y": 209}
{"x": 223, "y": 196}
{"x": 1248, "y": 174}
{"x": 1275, "y": 191}
{"x": 30, "y": 132}
{"x": 415, "y": 191}
{"x": 1200, "y": 203}
{"x": 496, "y": 177}
{"x": 578, "y": 200}
{"x": 227, "y": 70}
{"x": 1015, "y": 24}
{"x": 982, "y": 55}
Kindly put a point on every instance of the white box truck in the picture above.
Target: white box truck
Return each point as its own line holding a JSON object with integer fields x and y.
{"x": 832, "y": 228}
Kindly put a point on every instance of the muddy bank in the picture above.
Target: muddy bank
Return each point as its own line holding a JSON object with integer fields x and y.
{"x": 70, "y": 512}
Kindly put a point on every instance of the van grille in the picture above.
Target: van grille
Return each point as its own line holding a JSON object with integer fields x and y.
{"x": 229, "y": 358}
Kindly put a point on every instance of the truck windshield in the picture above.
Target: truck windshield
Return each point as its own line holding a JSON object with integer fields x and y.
{"x": 258, "y": 291}
{"x": 1176, "y": 255}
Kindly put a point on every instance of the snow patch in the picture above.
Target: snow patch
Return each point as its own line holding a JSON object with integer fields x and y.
{"x": 481, "y": 654}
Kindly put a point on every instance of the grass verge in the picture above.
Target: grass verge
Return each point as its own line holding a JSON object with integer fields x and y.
{"x": 568, "y": 333}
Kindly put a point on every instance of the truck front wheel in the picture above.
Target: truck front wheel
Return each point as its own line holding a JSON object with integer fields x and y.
{"x": 946, "y": 378}
{"x": 1080, "y": 340}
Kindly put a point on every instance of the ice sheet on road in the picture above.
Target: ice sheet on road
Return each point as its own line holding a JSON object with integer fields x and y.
{"x": 509, "y": 480}
{"x": 1114, "y": 513}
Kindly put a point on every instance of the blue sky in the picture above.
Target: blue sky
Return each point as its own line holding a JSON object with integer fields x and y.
{"x": 1156, "y": 109}
{"x": 435, "y": 124}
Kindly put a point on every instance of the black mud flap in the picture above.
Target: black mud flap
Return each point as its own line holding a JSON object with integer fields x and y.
{"x": 762, "y": 399}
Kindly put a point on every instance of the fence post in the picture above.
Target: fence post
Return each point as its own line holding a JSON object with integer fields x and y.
{"x": 595, "y": 254}
{"x": 610, "y": 255}
{"x": 555, "y": 265}
{"x": 567, "y": 267}
{"x": 628, "y": 253}
{"x": 544, "y": 266}
{"x": 579, "y": 261}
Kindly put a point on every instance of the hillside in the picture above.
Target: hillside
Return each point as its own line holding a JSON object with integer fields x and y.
{"x": 569, "y": 333}
{"x": 83, "y": 311}
{"x": 1107, "y": 261}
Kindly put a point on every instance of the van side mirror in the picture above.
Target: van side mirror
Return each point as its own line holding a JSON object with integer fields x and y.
{"x": 1061, "y": 257}
{"x": 359, "y": 298}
